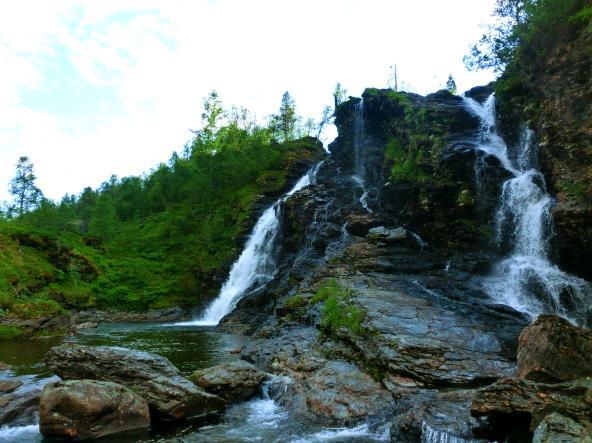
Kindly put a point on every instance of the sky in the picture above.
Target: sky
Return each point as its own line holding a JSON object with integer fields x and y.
{"x": 91, "y": 88}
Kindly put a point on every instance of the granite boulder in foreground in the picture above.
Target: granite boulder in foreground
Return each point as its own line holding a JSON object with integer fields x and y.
{"x": 171, "y": 397}
{"x": 84, "y": 409}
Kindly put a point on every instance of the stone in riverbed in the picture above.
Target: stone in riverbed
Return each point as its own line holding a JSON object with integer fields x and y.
{"x": 552, "y": 350}
{"x": 171, "y": 397}
{"x": 338, "y": 392}
{"x": 235, "y": 381}
{"x": 7, "y": 386}
{"x": 83, "y": 409}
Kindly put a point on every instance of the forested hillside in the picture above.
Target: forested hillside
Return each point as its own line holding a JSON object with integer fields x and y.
{"x": 164, "y": 239}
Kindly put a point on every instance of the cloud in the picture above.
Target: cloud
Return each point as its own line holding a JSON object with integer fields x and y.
{"x": 95, "y": 88}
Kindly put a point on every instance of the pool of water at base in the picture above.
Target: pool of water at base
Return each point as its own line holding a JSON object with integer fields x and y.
{"x": 189, "y": 348}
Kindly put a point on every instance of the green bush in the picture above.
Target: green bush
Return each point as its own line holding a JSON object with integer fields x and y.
{"x": 296, "y": 301}
{"x": 10, "y": 332}
{"x": 36, "y": 308}
{"x": 338, "y": 311}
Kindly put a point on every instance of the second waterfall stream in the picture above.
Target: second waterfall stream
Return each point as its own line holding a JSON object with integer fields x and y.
{"x": 526, "y": 278}
{"x": 256, "y": 266}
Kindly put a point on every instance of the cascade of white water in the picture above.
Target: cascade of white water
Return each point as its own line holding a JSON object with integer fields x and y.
{"x": 527, "y": 279}
{"x": 359, "y": 176}
{"x": 256, "y": 266}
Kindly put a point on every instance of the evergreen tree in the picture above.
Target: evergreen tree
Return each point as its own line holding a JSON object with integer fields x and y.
{"x": 497, "y": 46}
{"x": 26, "y": 194}
{"x": 451, "y": 84}
{"x": 286, "y": 122}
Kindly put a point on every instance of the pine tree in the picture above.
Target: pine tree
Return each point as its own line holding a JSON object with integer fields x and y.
{"x": 451, "y": 84}
{"x": 285, "y": 123}
{"x": 25, "y": 192}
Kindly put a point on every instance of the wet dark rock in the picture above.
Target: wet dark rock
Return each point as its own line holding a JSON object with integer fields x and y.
{"x": 7, "y": 386}
{"x": 394, "y": 236}
{"x": 86, "y": 409}
{"x": 54, "y": 326}
{"x": 360, "y": 224}
{"x": 415, "y": 332}
{"x": 234, "y": 382}
{"x": 552, "y": 350}
{"x": 573, "y": 225}
{"x": 336, "y": 392}
{"x": 433, "y": 416}
{"x": 481, "y": 93}
{"x": 513, "y": 403}
{"x": 170, "y": 396}
{"x": 95, "y": 316}
{"x": 19, "y": 408}
{"x": 556, "y": 428}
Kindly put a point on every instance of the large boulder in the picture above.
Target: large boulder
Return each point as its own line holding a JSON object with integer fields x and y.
{"x": 83, "y": 409}
{"x": 171, "y": 397}
{"x": 338, "y": 393}
{"x": 515, "y": 403}
{"x": 552, "y": 350}
{"x": 556, "y": 428}
{"x": 235, "y": 381}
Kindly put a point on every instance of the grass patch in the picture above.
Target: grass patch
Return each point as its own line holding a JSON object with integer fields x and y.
{"x": 10, "y": 333}
{"x": 296, "y": 301}
{"x": 338, "y": 310}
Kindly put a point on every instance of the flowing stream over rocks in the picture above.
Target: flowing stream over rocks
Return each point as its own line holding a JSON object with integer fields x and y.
{"x": 526, "y": 279}
{"x": 256, "y": 265}
{"x": 189, "y": 348}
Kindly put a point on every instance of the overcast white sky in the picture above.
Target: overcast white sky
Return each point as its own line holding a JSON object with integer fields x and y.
{"x": 90, "y": 88}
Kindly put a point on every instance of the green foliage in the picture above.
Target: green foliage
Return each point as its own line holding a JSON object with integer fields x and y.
{"x": 36, "y": 308}
{"x": 9, "y": 332}
{"x": 338, "y": 310}
{"x": 296, "y": 301}
{"x": 406, "y": 161}
{"x": 331, "y": 288}
{"x": 156, "y": 241}
{"x": 523, "y": 25}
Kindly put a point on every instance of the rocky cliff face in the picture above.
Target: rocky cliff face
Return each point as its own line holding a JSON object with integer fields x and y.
{"x": 381, "y": 267}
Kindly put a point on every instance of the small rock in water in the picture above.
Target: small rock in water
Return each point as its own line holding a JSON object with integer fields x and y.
{"x": 86, "y": 325}
{"x": 7, "y": 386}
{"x": 4, "y": 366}
{"x": 235, "y": 381}
{"x": 552, "y": 350}
{"x": 84, "y": 409}
{"x": 19, "y": 409}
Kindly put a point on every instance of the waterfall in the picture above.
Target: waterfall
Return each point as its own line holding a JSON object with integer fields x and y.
{"x": 256, "y": 266}
{"x": 359, "y": 176}
{"x": 526, "y": 278}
